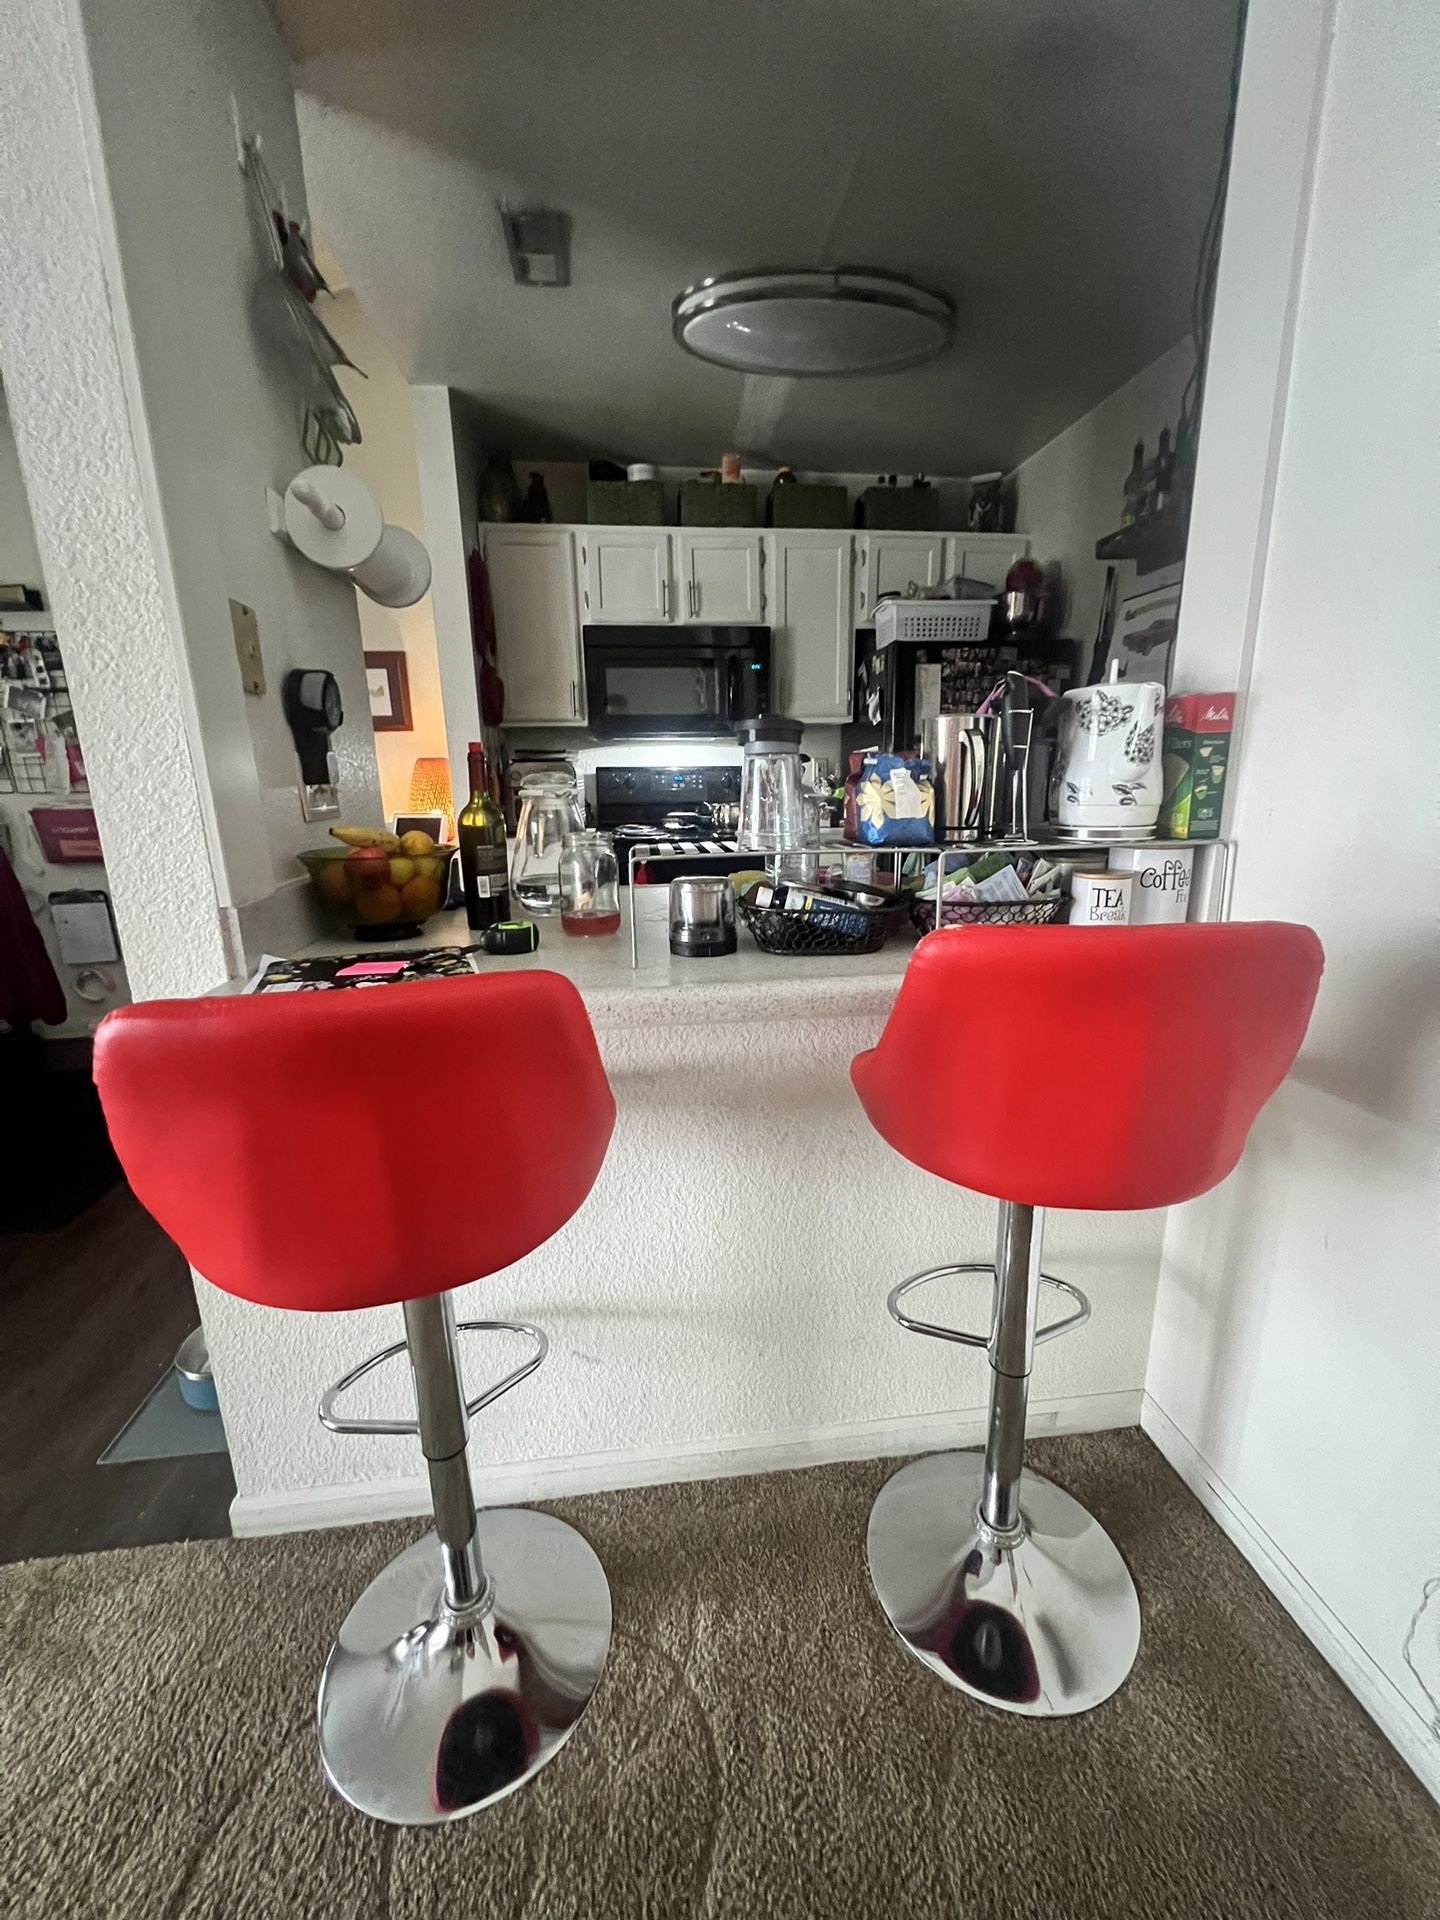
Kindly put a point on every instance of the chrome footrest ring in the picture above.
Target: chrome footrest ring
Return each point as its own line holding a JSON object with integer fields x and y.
{"x": 1077, "y": 1317}
{"x": 336, "y": 1424}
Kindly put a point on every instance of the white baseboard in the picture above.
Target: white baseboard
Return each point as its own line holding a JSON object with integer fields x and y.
{"x": 1403, "y": 1727}
{"x": 353, "y": 1502}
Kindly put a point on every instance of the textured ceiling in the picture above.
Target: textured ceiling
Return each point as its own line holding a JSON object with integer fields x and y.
{"x": 1047, "y": 163}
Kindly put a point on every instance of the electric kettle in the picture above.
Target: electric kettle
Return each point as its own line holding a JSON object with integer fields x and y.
{"x": 1107, "y": 782}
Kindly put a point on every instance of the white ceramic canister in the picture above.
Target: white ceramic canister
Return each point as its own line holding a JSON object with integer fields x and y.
{"x": 1109, "y": 772}
{"x": 1100, "y": 899}
{"x": 1161, "y": 893}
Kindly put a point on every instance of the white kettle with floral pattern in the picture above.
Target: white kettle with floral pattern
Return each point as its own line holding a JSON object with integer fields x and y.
{"x": 1107, "y": 767}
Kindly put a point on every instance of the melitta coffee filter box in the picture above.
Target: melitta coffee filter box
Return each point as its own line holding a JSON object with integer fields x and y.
{"x": 1196, "y": 753}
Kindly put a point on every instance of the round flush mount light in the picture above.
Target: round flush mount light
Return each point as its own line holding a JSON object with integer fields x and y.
{"x": 813, "y": 323}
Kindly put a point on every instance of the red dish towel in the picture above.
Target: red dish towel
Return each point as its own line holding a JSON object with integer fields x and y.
{"x": 29, "y": 987}
{"x": 482, "y": 622}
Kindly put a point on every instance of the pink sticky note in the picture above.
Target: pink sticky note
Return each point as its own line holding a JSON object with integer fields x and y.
{"x": 369, "y": 969}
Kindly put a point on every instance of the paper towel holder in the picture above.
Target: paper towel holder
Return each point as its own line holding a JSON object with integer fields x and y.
{"x": 333, "y": 518}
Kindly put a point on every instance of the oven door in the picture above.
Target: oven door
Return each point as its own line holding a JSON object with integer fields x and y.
{"x": 649, "y": 682}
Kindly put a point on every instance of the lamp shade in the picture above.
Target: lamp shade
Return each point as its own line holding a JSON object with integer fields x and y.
{"x": 430, "y": 790}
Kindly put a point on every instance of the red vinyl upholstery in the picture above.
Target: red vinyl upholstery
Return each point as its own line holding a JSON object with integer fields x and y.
{"x": 1104, "y": 1067}
{"x": 350, "y": 1149}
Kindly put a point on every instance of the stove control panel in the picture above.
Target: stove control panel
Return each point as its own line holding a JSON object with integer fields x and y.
{"x": 625, "y": 792}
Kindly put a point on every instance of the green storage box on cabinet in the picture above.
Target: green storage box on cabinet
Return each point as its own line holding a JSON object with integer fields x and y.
{"x": 901, "y": 509}
{"x": 802, "y": 505}
{"x": 710, "y": 503}
{"x": 625, "y": 503}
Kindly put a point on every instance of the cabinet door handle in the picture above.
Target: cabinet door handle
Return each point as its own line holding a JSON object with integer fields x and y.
{"x": 574, "y": 698}
{"x": 695, "y": 599}
{"x": 665, "y": 599}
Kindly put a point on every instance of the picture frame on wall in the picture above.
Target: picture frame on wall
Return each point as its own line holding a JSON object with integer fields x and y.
{"x": 388, "y": 685}
{"x": 1143, "y": 641}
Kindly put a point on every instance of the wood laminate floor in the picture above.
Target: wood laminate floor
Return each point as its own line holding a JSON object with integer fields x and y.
{"x": 90, "y": 1316}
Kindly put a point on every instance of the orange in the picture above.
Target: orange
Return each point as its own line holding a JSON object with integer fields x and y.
{"x": 420, "y": 896}
{"x": 333, "y": 883}
{"x": 375, "y": 905}
{"x": 401, "y": 870}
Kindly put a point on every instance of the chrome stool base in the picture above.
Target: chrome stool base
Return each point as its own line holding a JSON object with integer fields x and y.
{"x": 425, "y": 1714}
{"x": 1044, "y": 1621}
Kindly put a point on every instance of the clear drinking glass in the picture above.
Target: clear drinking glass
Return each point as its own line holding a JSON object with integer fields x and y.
{"x": 804, "y": 867}
{"x": 589, "y": 884}
{"x": 549, "y": 813}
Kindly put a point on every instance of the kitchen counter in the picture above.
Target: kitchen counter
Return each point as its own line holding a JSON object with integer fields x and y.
{"x": 744, "y": 986}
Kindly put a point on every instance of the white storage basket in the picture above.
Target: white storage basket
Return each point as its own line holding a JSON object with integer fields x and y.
{"x": 941, "y": 623}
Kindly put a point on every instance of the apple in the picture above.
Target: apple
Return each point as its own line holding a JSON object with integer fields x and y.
{"x": 367, "y": 867}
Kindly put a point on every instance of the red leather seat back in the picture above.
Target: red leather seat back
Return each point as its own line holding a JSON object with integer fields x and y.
{"x": 1107, "y": 1067}
{"x": 348, "y": 1149}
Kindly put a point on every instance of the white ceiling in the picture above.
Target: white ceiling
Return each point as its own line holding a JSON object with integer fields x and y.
{"x": 1047, "y": 163}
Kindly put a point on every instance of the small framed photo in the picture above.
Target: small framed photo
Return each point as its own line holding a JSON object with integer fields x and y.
{"x": 388, "y": 685}
{"x": 431, "y": 823}
{"x": 1144, "y": 636}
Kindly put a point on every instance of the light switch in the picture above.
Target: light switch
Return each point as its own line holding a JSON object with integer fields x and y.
{"x": 247, "y": 647}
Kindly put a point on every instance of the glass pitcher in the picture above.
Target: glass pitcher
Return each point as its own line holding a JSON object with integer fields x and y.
{"x": 549, "y": 811}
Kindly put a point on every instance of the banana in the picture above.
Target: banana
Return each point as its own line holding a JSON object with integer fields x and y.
{"x": 366, "y": 837}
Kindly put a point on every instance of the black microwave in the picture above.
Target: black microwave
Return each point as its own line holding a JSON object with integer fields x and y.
{"x": 646, "y": 681}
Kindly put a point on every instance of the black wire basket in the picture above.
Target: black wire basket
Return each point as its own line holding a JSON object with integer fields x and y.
{"x": 981, "y": 913}
{"x": 807, "y": 936}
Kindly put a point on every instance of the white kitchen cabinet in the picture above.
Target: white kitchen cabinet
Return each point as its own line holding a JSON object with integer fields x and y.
{"x": 813, "y": 625}
{"x": 537, "y": 624}
{"x": 721, "y": 574}
{"x": 984, "y": 556}
{"x": 888, "y": 562}
{"x": 627, "y": 573}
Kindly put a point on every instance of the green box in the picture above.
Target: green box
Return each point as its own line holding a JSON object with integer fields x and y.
{"x": 1196, "y": 754}
{"x": 625, "y": 503}
{"x": 799, "y": 504}
{"x": 901, "y": 509}
{"x": 710, "y": 503}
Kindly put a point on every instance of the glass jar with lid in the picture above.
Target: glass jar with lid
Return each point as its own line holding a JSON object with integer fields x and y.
{"x": 589, "y": 884}
{"x": 549, "y": 812}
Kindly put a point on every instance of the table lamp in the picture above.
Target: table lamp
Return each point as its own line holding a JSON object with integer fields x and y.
{"x": 430, "y": 790}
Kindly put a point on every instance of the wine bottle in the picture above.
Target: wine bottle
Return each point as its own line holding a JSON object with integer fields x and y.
{"x": 481, "y": 832}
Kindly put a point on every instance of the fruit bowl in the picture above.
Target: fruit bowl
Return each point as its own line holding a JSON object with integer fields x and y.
{"x": 378, "y": 894}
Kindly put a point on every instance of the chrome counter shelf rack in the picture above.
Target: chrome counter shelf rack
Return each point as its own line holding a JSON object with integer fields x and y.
{"x": 1210, "y": 888}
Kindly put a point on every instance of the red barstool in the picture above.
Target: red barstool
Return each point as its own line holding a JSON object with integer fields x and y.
{"x": 1090, "y": 1067}
{"x": 275, "y": 1139}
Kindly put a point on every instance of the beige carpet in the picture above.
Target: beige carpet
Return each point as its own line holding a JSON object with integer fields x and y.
{"x": 760, "y": 1745}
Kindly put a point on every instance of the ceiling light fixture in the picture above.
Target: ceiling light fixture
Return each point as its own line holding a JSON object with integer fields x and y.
{"x": 808, "y": 322}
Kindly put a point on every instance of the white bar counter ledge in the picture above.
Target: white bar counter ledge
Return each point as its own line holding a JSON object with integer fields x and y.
{"x": 718, "y": 1304}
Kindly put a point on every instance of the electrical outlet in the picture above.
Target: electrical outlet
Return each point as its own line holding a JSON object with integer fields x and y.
{"x": 247, "y": 647}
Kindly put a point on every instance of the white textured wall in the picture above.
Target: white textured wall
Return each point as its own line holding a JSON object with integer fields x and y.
{"x": 725, "y": 1281}
{"x": 1070, "y": 493}
{"x": 385, "y": 459}
{"x": 224, "y": 419}
{"x": 66, "y": 359}
{"x": 1297, "y": 1335}
{"x": 19, "y": 555}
